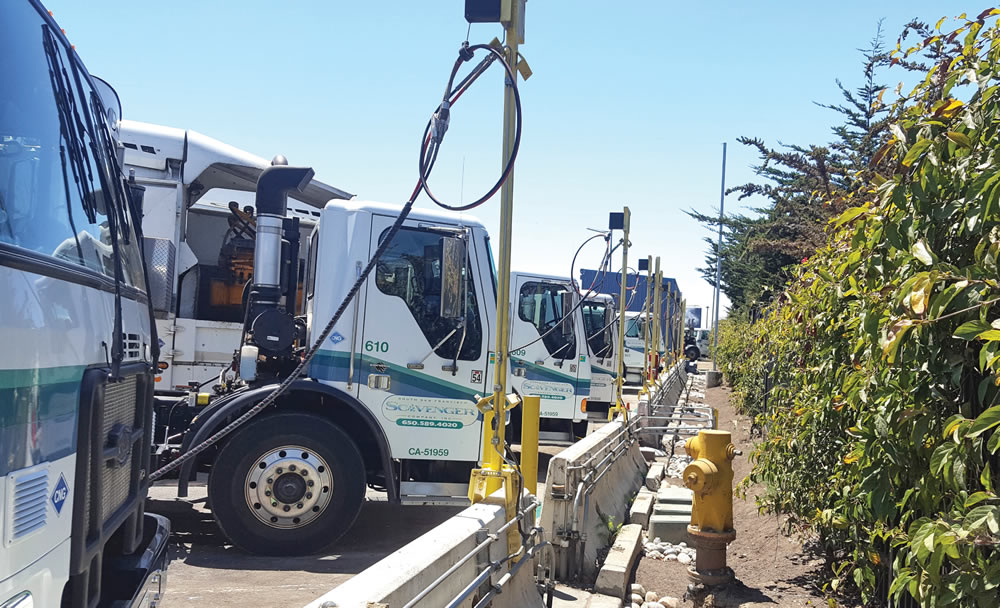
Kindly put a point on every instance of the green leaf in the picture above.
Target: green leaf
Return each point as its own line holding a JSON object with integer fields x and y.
{"x": 849, "y": 215}
{"x": 993, "y": 445}
{"x": 959, "y": 138}
{"x": 922, "y": 252}
{"x": 971, "y": 329}
{"x": 916, "y": 151}
{"x": 940, "y": 457}
{"x": 940, "y": 302}
{"x": 985, "y": 421}
{"x": 977, "y": 498}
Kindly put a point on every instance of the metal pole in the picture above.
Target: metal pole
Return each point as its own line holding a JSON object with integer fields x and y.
{"x": 718, "y": 262}
{"x": 647, "y": 328}
{"x": 619, "y": 404}
{"x": 490, "y": 478}
{"x": 657, "y": 297}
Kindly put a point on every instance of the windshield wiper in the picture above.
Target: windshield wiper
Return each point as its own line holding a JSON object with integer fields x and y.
{"x": 74, "y": 131}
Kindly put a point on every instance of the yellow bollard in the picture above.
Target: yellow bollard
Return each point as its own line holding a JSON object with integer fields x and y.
{"x": 710, "y": 477}
{"x": 530, "y": 410}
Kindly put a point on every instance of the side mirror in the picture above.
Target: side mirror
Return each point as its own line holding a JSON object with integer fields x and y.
{"x": 453, "y": 263}
{"x": 568, "y": 324}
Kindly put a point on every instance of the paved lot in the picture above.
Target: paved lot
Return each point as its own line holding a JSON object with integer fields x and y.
{"x": 206, "y": 571}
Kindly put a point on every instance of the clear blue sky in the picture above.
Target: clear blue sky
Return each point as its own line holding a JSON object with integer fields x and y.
{"x": 629, "y": 102}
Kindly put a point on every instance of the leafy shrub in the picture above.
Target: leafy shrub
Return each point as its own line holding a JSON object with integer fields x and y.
{"x": 882, "y": 424}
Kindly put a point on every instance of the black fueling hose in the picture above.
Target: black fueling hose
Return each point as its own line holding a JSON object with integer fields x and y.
{"x": 431, "y": 140}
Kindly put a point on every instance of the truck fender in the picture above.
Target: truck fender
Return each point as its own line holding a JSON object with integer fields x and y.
{"x": 217, "y": 415}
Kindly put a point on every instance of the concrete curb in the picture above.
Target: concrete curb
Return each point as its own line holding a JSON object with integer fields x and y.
{"x": 641, "y": 509}
{"x": 614, "y": 575}
{"x": 399, "y": 577}
{"x": 654, "y": 475}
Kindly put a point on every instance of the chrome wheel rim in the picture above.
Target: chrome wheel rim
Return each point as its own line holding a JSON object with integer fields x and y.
{"x": 288, "y": 487}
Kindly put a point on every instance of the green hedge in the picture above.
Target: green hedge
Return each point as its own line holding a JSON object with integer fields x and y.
{"x": 881, "y": 432}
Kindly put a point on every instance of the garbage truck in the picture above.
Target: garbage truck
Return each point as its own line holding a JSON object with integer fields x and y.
{"x": 549, "y": 353}
{"x": 203, "y": 260}
{"x": 389, "y": 401}
{"x": 76, "y": 381}
{"x": 635, "y": 348}
{"x": 600, "y": 327}
{"x": 201, "y": 242}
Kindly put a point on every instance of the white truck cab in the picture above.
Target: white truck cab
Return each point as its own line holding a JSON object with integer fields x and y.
{"x": 549, "y": 355}
{"x": 599, "y": 316}
{"x": 634, "y": 347}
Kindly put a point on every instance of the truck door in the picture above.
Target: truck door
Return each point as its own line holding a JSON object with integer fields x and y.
{"x": 547, "y": 367}
{"x": 597, "y": 324}
{"x": 420, "y": 371}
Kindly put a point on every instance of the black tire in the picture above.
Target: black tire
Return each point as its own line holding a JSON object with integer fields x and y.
{"x": 692, "y": 353}
{"x": 322, "y": 441}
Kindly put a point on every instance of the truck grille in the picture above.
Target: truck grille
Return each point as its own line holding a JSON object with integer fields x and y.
{"x": 113, "y": 443}
{"x": 120, "y": 412}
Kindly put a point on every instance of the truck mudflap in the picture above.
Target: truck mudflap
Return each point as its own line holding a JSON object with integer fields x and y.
{"x": 145, "y": 571}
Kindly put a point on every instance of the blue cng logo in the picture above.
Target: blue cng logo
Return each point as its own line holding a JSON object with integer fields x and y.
{"x": 60, "y": 494}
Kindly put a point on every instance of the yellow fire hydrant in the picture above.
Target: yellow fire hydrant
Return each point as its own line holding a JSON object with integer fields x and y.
{"x": 710, "y": 477}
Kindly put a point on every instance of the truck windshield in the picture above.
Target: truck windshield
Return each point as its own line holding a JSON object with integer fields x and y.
{"x": 541, "y": 304}
{"x": 493, "y": 265}
{"x": 52, "y": 184}
{"x": 597, "y": 333}
{"x": 633, "y": 327}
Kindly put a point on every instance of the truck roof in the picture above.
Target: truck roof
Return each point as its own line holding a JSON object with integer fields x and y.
{"x": 539, "y": 275}
{"x": 207, "y": 161}
{"x": 427, "y": 215}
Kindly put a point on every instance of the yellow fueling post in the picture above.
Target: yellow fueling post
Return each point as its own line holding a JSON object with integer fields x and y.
{"x": 710, "y": 478}
{"x": 530, "y": 411}
{"x": 658, "y": 298}
{"x": 647, "y": 329}
{"x": 619, "y": 405}
{"x": 680, "y": 328}
{"x": 494, "y": 473}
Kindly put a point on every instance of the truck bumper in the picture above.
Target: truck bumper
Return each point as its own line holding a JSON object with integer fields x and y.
{"x": 147, "y": 568}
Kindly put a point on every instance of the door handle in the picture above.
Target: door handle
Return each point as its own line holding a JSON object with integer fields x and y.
{"x": 379, "y": 382}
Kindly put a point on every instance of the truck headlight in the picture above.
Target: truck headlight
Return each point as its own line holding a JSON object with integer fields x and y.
{"x": 21, "y": 600}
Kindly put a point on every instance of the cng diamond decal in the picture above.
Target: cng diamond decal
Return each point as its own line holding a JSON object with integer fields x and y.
{"x": 60, "y": 494}
{"x": 336, "y": 337}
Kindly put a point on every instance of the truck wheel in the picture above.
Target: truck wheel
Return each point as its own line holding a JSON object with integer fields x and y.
{"x": 692, "y": 353}
{"x": 287, "y": 484}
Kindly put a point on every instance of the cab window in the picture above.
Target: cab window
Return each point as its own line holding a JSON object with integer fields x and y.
{"x": 541, "y": 304}
{"x": 410, "y": 269}
{"x": 597, "y": 333}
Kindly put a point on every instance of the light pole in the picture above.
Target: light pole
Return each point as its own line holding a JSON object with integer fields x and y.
{"x": 718, "y": 263}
